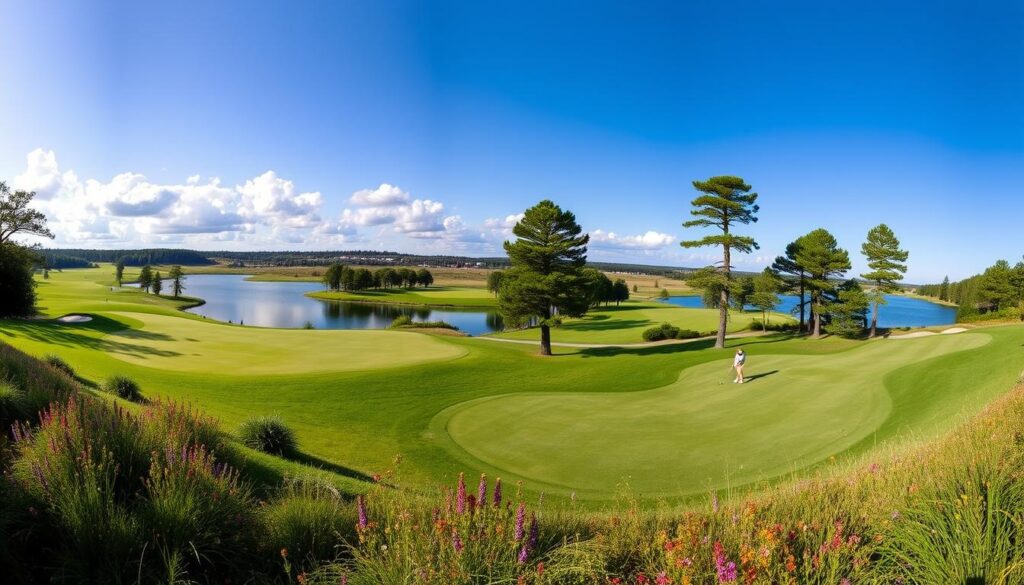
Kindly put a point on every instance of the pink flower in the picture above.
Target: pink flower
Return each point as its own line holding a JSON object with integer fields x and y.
{"x": 481, "y": 490}
{"x": 460, "y": 496}
{"x": 662, "y": 579}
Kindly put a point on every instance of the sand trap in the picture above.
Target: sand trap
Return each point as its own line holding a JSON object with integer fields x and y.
{"x": 75, "y": 319}
{"x": 915, "y": 334}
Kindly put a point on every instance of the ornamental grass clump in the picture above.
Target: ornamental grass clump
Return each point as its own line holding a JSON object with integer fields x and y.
{"x": 310, "y": 520}
{"x": 123, "y": 387}
{"x": 57, "y": 363}
{"x": 270, "y": 435}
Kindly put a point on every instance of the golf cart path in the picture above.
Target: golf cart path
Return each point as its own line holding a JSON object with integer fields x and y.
{"x": 602, "y": 345}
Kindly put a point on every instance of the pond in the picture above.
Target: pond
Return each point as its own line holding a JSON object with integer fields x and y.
{"x": 229, "y": 297}
{"x": 900, "y": 311}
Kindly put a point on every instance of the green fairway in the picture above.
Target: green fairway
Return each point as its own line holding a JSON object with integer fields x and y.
{"x": 627, "y": 322}
{"x": 440, "y": 296}
{"x": 700, "y": 430}
{"x": 583, "y": 420}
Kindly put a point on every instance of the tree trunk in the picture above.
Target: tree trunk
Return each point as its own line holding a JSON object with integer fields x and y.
{"x": 816, "y": 316}
{"x": 723, "y": 303}
{"x": 802, "y": 305}
{"x": 874, "y": 318}
{"x": 764, "y": 321}
{"x": 545, "y": 340}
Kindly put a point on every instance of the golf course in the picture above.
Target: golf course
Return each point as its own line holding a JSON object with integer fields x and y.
{"x": 665, "y": 419}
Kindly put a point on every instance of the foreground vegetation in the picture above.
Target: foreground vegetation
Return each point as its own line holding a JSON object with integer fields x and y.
{"x": 100, "y": 493}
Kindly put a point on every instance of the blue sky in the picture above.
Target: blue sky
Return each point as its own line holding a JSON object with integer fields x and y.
{"x": 427, "y": 126}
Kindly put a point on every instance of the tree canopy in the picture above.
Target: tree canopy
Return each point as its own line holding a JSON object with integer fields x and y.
{"x": 820, "y": 255}
{"x": 887, "y": 263}
{"x": 725, "y": 201}
{"x": 17, "y": 217}
{"x": 546, "y": 278}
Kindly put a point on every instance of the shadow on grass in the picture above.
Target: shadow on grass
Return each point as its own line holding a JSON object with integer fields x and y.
{"x": 588, "y": 325}
{"x": 83, "y": 335}
{"x": 672, "y": 348}
{"x": 759, "y": 375}
{"x": 314, "y": 461}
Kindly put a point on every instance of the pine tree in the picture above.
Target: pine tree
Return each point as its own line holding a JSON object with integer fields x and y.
{"x": 157, "y": 284}
{"x": 944, "y": 289}
{"x": 797, "y": 281}
{"x": 146, "y": 278}
{"x": 824, "y": 260}
{"x": 177, "y": 276}
{"x": 765, "y": 296}
{"x": 886, "y": 261}
{"x": 725, "y": 202}
{"x": 545, "y": 280}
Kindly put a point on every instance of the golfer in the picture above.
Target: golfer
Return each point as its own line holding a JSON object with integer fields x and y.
{"x": 737, "y": 364}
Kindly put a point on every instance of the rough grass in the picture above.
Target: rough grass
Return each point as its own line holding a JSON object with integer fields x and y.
{"x": 437, "y": 296}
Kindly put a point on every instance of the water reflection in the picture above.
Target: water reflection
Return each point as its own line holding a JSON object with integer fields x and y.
{"x": 229, "y": 297}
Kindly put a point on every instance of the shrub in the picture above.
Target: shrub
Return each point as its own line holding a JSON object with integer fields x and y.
{"x": 11, "y": 404}
{"x": 310, "y": 520}
{"x": 404, "y": 321}
{"x": 170, "y": 424}
{"x": 268, "y": 434}
{"x": 57, "y": 363}
{"x": 123, "y": 386}
{"x": 668, "y": 331}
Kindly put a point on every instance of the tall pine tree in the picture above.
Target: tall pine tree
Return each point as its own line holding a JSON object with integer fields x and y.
{"x": 824, "y": 261}
{"x": 886, "y": 261}
{"x": 724, "y": 202}
{"x": 546, "y": 279}
{"x": 794, "y": 276}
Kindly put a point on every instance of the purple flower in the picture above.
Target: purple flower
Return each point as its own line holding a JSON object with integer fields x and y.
{"x": 481, "y": 491}
{"x": 457, "y": 542}
{"x": 460, "y": 496}
{"x": 520, "y": 521}
{"x": 361, "y": 506}
{"x": 497, "y": 492}
{"x": 523, "y": 555}
{"x": 724, "y": 568}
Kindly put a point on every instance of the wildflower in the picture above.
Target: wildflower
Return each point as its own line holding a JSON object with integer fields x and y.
{"x": 457, "y": 542}
{"x": 845, "y": 581}
{"x": 460, "y": 496}
{"x": 523, "y": 555}
{"x": 481, "y": 490}
{"x": 497, "y": 492}
{"x": 724, "y": 568}
{"x": 662, "y": 579}
{"x": 540, "y": 568}
{"x": 520, "y": 520}
{"x": 361, "y": 506}
{"x": 714, "y": 503}
{"x": 641, "y": 578}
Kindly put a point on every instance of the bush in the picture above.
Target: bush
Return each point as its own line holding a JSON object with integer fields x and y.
{"x": 36, "y": 384}
{"x": 56, "y": 362}
{"x": 17, "y": 287}
{"x": 268, "y": 434}
{"x": 124, "y": 387}
{"x": 404, "y": 321}
{"x": 668, "y": 331}
{"x": 11, "y": 404}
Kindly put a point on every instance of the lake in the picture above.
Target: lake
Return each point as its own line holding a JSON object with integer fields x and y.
{"x": 900, "y": 311}
{"x": 229, "y": 297}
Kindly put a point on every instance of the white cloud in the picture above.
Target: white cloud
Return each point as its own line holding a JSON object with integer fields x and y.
{"x": 272, "y": 200}
{"x": 384, "y": 196}
{"x": 650, "y": 240}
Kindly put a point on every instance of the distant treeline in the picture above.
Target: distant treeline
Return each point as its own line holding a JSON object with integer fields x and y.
{"x": 996, "y": 293}
{"x": 363, "y": 257}
{"x": 155, "y": 256}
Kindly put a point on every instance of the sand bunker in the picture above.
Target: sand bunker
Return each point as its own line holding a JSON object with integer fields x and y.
{"x": 75, "y": 319}
{"x": 915, "y": 334}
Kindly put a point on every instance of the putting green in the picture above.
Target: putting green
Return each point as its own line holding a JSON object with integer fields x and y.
{"x": 189, "y": 345}
{"x": 700, "y": 431}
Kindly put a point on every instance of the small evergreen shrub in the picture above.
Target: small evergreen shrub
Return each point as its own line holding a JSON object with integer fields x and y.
{"x": 59, "y": 364}
{"x": 268, "y": 434}
{"x": 124, "y": 387}
{"x": 668, "y": 331}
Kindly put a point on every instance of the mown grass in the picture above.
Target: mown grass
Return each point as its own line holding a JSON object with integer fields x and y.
{"x": 627, "y": 322}
{"x": 437, "y": 296}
